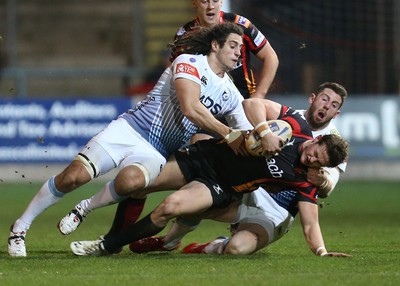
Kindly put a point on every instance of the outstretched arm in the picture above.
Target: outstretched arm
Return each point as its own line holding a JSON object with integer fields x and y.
{"x": 312, "y": 231}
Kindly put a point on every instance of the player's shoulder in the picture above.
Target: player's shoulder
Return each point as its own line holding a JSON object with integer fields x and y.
{"x": 237, "y": 19}
{"x": 186, "y": 28}
{"x": 329, "y": 129}
{"x": 189, "y": 59}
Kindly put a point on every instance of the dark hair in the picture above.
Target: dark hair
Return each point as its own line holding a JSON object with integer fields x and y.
{"x": 336, "y": 147}
{"x": 337, "y": 88}
{"x": 199, "y": 41}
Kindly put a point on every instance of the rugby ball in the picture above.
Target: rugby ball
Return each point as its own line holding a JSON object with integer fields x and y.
{"x": 279, "y": 127}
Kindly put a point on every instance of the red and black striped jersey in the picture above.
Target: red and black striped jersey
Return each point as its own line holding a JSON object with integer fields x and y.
{"x": 216, "y": 162}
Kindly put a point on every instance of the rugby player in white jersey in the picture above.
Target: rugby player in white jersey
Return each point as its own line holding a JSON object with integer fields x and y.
{"x": 263, "y": 218}
{"x": 194, "y": 92}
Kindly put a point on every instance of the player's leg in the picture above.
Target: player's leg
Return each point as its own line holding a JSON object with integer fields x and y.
{"x": 171, "y": 241}
{"x": 178, "y": 203}
{"x": 75, "y": 175}
{"x": 129, "y": 210}
{"x": 140, "y": 165}
{"x": 248, "y": 239}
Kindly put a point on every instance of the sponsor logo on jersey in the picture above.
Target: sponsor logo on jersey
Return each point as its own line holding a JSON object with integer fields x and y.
{"x": 208, "y": 102}
{"x": 181, "y": 31}
{"x": 274, "y": 169}
{"x": 243, "y": 21}
{"x": 259, "y": 39}
{"x": 225, "y": 96}
{"x": 187, "y": 69}
{"x": 204, "y": 80}
{"x": 192, "y": 60}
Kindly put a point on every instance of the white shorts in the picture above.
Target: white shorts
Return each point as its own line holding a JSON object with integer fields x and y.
{"x": 119, "y": 145}
{"x": 259, "y": 208}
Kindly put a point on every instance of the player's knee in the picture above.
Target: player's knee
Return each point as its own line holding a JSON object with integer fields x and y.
{"x": 246, "y": 241}
{"x": 130, "y": 180}
{"x": 235, "y": 247}
{"x": 170, "y": 206}
{"x": 72, "y": 177}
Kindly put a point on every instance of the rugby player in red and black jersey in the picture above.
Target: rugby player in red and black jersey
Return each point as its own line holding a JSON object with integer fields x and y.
{"x": 209, "y": 13}
{"x": 213, "y": 174}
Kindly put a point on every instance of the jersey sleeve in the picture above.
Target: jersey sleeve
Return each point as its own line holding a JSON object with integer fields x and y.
{"x": 297, "y": 121}
{"x": 236, "y": 117}
{"x": 308, "y": 194}
{"x": 252, "y": 36}
{"x": 186, "y": 66}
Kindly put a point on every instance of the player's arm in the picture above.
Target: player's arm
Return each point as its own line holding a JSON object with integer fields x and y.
{"x": 269, "y": 66}
{"x": 311, "y": 229}
{"x": 324, "y": 178}
{"x": 188, "y": 94}
{"x": 258, "y": 112}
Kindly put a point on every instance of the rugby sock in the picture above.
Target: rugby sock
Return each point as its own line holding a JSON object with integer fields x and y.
{"x": 47, "y": 196}
{"x": 141, "y": 229}
{"x": 107, "y": 196}
{"x": 178, "y": 230}
{"x": 127, "y": 213}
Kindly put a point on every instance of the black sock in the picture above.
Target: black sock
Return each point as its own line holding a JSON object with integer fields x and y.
{"x": 127, "y": 213}
{"x": 141, "y": 229}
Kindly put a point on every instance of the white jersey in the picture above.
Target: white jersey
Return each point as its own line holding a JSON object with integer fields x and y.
{"x": 159, "y": 119}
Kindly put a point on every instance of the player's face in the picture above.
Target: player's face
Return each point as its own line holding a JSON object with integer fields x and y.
{"x": 314, "y": 155}
{"x": 228, "y": 55}
{"x": 208, "y": 11}
{"x": 324, "y": 107}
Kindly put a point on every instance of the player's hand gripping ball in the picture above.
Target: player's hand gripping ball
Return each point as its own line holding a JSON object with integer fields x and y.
{"x": 279, "y": 127}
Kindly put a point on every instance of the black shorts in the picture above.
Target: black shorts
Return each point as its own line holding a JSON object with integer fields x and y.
{"x": 198, "y": 167}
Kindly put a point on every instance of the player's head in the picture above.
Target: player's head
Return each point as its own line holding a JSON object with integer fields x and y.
{"x": 325, "y": 104}
{"x": 224, "y": 39}
{"x": 324, "y": 151}
{"x": 207, "y": 11}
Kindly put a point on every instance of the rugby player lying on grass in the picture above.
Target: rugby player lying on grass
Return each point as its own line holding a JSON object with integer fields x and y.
{"x": 210, "y": 175}
{"x": 262, "y": 218}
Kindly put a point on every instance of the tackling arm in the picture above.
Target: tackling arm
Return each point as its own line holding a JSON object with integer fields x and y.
{"x": 325, "y": 178}
{"x": 188, "y": 93}
{"x": 258, "y": 111}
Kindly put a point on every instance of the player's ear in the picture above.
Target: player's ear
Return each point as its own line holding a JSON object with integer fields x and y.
{"x": 336, "y": 114}
{"x": 214, "y": 45}
{"x": 318, "y": 138}
{"x": 312, "y": 98}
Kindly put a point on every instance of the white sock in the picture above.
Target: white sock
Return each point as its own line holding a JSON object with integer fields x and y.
{"x": 47, "y": 196}
{"x": 216, "y": 246}
{"x": 107, "y": 196}
{"x": 177, "y": 231}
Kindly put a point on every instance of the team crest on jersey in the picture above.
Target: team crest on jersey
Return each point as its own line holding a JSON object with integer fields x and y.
{"x": 225, "y": 96}
{"x": 242, "y": 21}
{"x": 204, "y": 80}
{"x": 186, "y": 68}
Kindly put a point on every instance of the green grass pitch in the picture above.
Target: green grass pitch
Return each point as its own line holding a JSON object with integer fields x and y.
{"x": 361, "y": 218}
